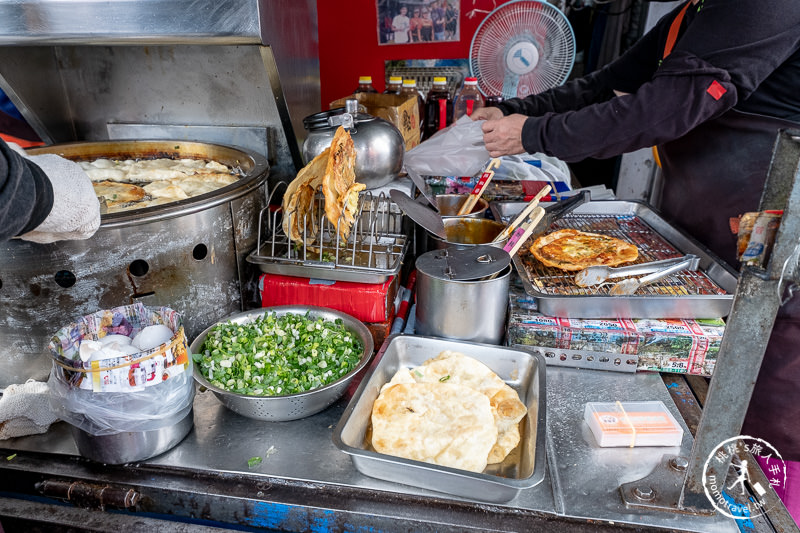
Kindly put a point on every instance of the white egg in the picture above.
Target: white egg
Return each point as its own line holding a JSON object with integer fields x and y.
{"x": 129, "y": 349}
{"x": 152, "y": 336}
{"x": 87, "y": 348}
{"x": 119, "y": 339}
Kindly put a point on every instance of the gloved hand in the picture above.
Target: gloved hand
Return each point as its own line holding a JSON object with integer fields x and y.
{"x": 76, "y": 210}
{"x": 25, "y": 410}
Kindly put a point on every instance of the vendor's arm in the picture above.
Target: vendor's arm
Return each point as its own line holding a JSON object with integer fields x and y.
{"x": 728, "y": 50}
{"x": 26, "y": 195}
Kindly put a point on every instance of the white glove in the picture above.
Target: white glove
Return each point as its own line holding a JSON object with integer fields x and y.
{"x": 25, "y": 410}
{"x": 76, "y": 210}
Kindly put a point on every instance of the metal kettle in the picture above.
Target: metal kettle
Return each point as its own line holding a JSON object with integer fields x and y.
{"x": 379, "y": 144}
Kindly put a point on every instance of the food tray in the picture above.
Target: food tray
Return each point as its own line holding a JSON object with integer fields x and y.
{"x": 523, "y": 468}
{"x": 706, "y": 293}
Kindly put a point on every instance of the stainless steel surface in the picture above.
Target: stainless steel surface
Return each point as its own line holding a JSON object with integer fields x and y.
{"x": 581, "y": 480}
{"x": 464, "y": 232}
{"x": 472, "y": 310}
{"x": 424, "y": 216}
{"x": 423, "y": 187}
{"x": 707, "y": 293}
{"x": 522, "y": 469}
{"x": 585, "y": 358}
{"x": 629, "y": 286}
{"x": 132, "y": 446}
{"x": 374, "y": 251}
{"x": 171, "y": 63}
{"x": 448, "y": 205}
{"x": 188, "y": 255}
{"x": 595, "y": 275}
{"x": 294, "y": 406}
{"x": 379, "y": 147}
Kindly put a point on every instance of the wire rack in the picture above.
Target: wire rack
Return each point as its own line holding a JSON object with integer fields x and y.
{"x": 652, "y": 247}
{"x": 371, "y": 252}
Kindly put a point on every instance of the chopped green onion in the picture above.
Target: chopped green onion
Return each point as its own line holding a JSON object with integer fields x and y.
{"x": 444, "y": 378}
{"x": 11, "y": 457}
{"x": 253, "y": 462}
{"x": 278, "y": 355}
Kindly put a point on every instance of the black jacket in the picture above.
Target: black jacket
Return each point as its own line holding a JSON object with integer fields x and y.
{"x": 26, "y": 195}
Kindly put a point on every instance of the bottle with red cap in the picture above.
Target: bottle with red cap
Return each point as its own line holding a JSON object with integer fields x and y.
{"x": 365, "y": 85}
{"x": 438, "y": 108}
{"x": 468, "y": 99}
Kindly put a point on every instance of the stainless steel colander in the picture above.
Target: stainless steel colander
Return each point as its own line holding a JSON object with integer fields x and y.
{"x": 292, "y": 406}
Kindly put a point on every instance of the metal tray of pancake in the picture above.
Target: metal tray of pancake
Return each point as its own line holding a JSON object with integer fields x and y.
{"x": 523, "y": 468}
{"x": 705, "y": 293}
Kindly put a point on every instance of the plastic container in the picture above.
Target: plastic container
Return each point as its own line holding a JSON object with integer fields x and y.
{"x": 365, "y": 85}
{"x": 409, "y": 89}
{"x": 632, "y": 424}
{"x": 394, "y": 86}
{"x": 438, "y": 108}
{"x": 468, "y": 99}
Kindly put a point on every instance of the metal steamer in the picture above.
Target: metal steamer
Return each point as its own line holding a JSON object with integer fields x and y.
{"x": 206, "y": 85}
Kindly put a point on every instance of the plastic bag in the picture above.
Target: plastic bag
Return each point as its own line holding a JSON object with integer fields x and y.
{"x": 457, "y": 150}
{"x": 537, "y": 167}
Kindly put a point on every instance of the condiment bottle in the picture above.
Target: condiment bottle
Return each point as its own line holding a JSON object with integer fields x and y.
{"x": 468, "y": 99}
{"x": 394, "y": 86}
{"x": 438, "y": 108}
{"x": 365, "y": 85}
{"x": 409, "y": 89}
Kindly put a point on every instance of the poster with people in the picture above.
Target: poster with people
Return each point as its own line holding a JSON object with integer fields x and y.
{"x": 417, "y": 21}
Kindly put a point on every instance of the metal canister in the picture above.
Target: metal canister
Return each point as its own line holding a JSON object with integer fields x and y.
{"x": 463, "y": 293}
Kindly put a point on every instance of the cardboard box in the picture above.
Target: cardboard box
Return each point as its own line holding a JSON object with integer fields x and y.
{"x": 401, "y": 111}
{"x": 684, "y": 346}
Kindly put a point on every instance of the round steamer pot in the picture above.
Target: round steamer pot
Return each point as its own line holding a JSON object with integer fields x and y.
{"x": 464, "y": 232}
{"x": 472, "y": 310}
{"x": 449, "y": 204}
{"x": 189, "y": 255}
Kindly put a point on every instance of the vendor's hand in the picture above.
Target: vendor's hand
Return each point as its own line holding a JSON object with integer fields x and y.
{"x": 486, "y": 113}
{"x": 76, "y": 210}
{"x": 504, "y": 136}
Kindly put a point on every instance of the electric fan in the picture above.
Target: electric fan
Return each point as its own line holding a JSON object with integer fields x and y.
{"x": 522, "y": 47}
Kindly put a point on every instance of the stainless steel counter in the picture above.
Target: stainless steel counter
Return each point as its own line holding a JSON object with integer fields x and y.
{"x": 582, "y": 480}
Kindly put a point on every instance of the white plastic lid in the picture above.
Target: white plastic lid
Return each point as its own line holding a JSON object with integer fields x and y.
{"x": 470, "y": 81}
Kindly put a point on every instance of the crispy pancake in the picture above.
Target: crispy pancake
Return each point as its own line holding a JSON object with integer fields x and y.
{"x": 573, "y": 250}
{"x": 298, "y": 200}
{"x": 117, "y": 194}
{"x": 339, "y": 183}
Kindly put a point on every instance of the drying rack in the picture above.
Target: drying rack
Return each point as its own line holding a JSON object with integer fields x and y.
{"x": 373, "y": 251}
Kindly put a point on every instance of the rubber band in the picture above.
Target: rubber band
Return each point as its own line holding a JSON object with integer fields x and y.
{"x": 628, "y": 420}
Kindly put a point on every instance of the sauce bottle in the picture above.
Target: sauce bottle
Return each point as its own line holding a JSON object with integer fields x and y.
{"x": 409, "y": 89}
{"x": 365, "y": 85}
{"x": 438, "y": 108}
{"x": 394, "y": 86}
{"x": 468, "y": 99}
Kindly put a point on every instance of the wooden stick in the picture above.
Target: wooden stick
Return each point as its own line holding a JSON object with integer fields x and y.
{"x": 477, "y": 191}
{"x": 506, "y": 233}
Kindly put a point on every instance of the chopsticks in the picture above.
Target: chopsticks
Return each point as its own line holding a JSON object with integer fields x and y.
{"x": 477, "y": 191}
{"x": 523, "y": 231}
{"x": 506, "y": 233}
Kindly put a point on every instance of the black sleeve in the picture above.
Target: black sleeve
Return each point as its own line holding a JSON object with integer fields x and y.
{"x": 26, "y": 195}
{"x": 728, "y": 49}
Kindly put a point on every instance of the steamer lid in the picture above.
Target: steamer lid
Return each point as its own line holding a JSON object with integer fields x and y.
{"x": 466, "y": 264}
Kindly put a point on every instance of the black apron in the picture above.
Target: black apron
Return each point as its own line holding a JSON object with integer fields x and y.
{"x": 715, "y": 172}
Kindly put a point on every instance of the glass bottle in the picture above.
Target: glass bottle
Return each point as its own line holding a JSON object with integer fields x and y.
{"x": 365, "y": 85}
{"x": 394, "y": 86}
{"x": 468, "y": 99}
{"x": 409, "y": 89}
{"x": 438, "y": 108}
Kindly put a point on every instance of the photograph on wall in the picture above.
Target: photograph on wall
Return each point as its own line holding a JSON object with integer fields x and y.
{"x": 418, "y": 21}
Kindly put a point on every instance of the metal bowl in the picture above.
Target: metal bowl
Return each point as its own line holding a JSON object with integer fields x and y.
{"x": 449, "y": 204}
{"x": 292, "y": 406}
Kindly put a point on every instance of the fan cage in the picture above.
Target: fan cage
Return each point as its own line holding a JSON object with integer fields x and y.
{"x": 534, "y": 21}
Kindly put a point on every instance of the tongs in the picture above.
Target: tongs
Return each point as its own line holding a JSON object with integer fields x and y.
{"x": 655, "y": 271}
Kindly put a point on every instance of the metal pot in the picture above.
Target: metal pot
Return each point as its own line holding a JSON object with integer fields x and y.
{"x": 188, "y": 255}
{"x": 464, "y": 309}
{"x": 465, "y": 232}
{"x": 379, "y": 144}
{"x": 449, "y": 204}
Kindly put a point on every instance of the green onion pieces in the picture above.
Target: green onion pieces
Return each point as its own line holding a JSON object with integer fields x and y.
{"x": 278, "y": 355}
